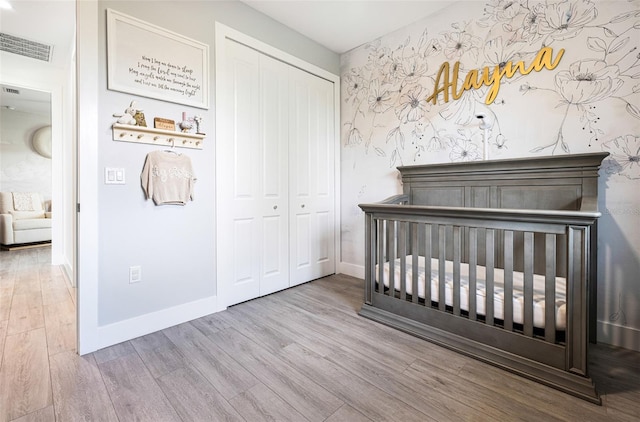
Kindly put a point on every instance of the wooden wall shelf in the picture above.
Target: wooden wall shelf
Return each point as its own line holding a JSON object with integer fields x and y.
{"x": 147, "y": 135}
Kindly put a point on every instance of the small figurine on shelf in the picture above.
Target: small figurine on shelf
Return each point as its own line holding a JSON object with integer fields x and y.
{"x": 198, "y": 120}
{"x": 186, "y": 124}
{"x": 140, "y": 119}
{"x": 127, "y": 118}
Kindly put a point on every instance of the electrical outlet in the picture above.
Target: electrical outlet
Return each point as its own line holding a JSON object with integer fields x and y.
{"x": 135, "y": 274}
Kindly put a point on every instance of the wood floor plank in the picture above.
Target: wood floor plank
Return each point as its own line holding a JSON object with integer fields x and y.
{"x": 226, "y": 375}
{"x": 361, "y": 395}
{"x": 347, "y": 414}
{"x": 194, "y": 398}
{"x": 79, "y": 394}
{"x": 60, "y": 313}
{"x": 23, "y": 386}
{"x": 6, "y": 296}
{"x": 41, "y": 415}
{"x": 54, "y": 293}
{"x": 525, "y": 391}
{"x": 249, "y": 323}
{"x": 311, "y": 400}
{"x": 26, "y": 282}
{"x": 159, "y": 354}
{"x": 113, "y": 352}
{"x": 61, "y": 338}
{"x": 212, "y": 323}
{"x": 475, "y": 395}
{"x": 26, "y": 313}
{"x": 377, "y": 349}
{"x": 134, "y": 392}
{"x": 3, "y": 336}
{"x": 261, "y": 404}
{"x": 439, "y": 406}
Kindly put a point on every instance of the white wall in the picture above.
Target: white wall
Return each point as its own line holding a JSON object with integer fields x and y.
{"x": 589, "y": 103}
{"x": 174, "y": 245}
{"x": 22, "y": 169}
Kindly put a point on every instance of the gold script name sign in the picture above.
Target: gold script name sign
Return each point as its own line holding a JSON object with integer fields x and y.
{"x": 476, "y": 78}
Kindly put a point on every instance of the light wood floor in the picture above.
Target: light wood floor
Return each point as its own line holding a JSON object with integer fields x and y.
{"x": 298, "y": 355}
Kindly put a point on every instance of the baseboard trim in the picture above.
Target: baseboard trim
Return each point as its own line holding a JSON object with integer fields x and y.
{"x": 351, "y": 269}
{"x": 121, "y": 331}
{"x": 619, "y": 335}
{"x": 21, "y": 246}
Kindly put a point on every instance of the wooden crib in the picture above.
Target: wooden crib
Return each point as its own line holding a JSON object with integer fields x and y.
{"x": 522, "y": 232}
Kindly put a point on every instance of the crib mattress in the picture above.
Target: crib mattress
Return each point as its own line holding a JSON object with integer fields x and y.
{"x": 498, "y": 296}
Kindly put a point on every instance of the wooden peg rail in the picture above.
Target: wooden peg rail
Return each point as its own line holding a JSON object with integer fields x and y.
{"x": 164, "y": 138}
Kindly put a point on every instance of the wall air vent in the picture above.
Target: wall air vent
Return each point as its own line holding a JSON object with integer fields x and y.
{"x": 24, "y": 47}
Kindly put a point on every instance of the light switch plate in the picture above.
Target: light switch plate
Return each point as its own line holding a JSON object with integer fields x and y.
{"x": 114, "y": 176}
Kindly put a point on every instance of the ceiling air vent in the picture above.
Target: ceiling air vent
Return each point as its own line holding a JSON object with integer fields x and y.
{"x": 11, "y": 90}
{"x": 24, "y": 47}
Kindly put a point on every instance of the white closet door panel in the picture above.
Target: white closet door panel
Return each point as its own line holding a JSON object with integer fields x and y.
{"x": 274, "y": 249}
{"x": 239, "y": 205}
{"x": 274, "y": 123}
{"x": 245, "y": 133}
{"x": 311, "y": 177}
{"x": 245, "y": 282}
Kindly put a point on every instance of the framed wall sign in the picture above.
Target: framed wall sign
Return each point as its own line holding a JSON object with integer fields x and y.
{"x": 146, "y": 60}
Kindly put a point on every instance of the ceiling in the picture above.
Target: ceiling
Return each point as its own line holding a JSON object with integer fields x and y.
{"x": 339, "y": 25}
{"x": 342, "y": 25}
{"x": 50, "y": 22}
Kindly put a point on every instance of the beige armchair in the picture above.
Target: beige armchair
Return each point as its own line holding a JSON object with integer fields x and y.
{"x": 23, "y": 218}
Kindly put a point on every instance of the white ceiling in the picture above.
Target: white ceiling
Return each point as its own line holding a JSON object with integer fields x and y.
{"x": 50, "y": 22}
{"x": 339, "y": 25}
{"x": 342, "y": 25}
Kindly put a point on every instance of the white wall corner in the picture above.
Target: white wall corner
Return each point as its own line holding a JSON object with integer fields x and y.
{"x": 351, "y": 269}
{"x": 618, "y": 335}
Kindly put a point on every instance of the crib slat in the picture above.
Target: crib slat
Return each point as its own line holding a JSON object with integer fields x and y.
{"x": 456, "y": 270}
{"x": 528, "y": 284}
{"x": 427, "y": 265}
{"x": 508, "y": 280}
{"x": 402, "y": 254}
{"x": 381, "y": 257}
{"x": 473, "y": 261}
{"x": 370, "y": 256}
{"x": 441, "y": 268}
{"x": 414, "y": 262}
{"x": 550, "y": 288}
{"x": 391, "y": 244}
{"x": 489, "y": 282}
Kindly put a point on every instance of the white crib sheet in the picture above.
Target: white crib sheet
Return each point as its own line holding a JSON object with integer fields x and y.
{"x": 498, "y": 296}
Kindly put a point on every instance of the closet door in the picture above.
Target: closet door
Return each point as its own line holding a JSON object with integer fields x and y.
{"x": 274, "y": 183}
{"x": 311, "y": 177}
{"x": 252, "y": 182}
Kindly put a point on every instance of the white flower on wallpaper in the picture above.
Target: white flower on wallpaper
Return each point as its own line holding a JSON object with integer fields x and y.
{"x": 387, "y": 112}
{"x": 625, "y": 156}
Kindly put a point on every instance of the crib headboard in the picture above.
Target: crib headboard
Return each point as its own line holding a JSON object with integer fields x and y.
{"x": 567, "y": 182}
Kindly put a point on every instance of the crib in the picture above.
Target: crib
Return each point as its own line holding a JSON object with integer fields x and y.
{"x": 493, "y": 259}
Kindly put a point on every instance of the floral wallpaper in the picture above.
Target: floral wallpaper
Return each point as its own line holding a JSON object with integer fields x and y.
{"x": 388, "y": 93}
{"x": 590, "y": 102}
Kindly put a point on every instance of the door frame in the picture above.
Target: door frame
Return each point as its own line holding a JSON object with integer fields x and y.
{"x": 224, "y": 33}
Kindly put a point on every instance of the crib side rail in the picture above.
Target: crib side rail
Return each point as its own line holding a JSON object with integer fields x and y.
{"x": 456, "y": 234}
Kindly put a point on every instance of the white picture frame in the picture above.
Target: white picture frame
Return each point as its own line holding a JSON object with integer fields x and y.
{"x": 146, "y": 60}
